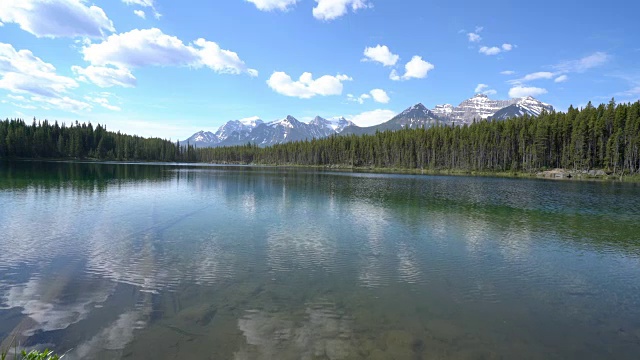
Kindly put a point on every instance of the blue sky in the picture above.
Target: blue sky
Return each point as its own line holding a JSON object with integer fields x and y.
{"x": 169, "y": 68}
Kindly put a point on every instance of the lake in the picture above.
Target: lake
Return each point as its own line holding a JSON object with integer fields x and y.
{"x": 170, "y": 261}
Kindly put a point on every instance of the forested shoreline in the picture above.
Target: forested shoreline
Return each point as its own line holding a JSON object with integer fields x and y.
{"x": 45, "y": 140}
{"x": 603, "y": 137}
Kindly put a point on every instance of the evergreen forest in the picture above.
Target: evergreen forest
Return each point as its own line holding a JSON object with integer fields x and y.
{"x": 602, "y": 137}
{"x": 42, "y": 140}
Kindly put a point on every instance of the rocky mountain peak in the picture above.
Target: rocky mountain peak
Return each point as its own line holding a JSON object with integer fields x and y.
{"x": 418, "y": 108}
{"x": 254, "y": 130}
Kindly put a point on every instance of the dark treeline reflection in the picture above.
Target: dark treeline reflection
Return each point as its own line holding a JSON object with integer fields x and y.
{"x": 603, "y": 214}
{"x": 43, "y": 174}
{"x": 597, "y": 214}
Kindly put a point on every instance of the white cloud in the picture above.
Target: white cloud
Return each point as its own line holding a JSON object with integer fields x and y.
{"x": 306, "y": 87}
{"x": 414, "y": 69}
{"x": 371, "y": 118}
{"x": 102, "y": 101}
{"x": 484, "y": 89}
{"x": 65, "y": 103}
{"x": 479, "y": 29}
{"x": 588, "y": 62}
{"x": 380, "y": 96}
{"x": 139, "y": 48}
{"x": 140, "y": 13}
{"x": 561, "y": 78}
{"x": 494, "y": 50}
{"x": 56, "y": 18}
{"x": 22, "y": 72}
{"x": 360, "y": 99}
{"x": 522, "y": 91}
{"x": 381, "y": 54}
{"x": 270, "y": 5}
{"x": 481, "y": 87}
{"x": 507, "y": 72}
{"x": 535, "y": 76}
{"x": 332, "y": 9}
{"x": 220, "y": 60}
{"x": 143, "y": 3}
{"x": 538, "y": 75}
{"x": 574, "y": 66}
{"x": 249, "y": 119}
{"x": 634, "y": 91}
{"x": 105, "y": 76}
{"x": 473, "y": 37}
{"x": 151, "y": 47}
{"x": 490, "y": 50}
{"x": 21, "y": 102}
{"x": 24, "y": 106}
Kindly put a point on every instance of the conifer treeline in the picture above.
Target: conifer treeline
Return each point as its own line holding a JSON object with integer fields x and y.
{"x": 46, "y": 140}
{"x": 603, "y": 137}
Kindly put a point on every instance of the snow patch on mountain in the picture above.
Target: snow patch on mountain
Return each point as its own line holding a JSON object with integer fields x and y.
{"x": 256, "y": 131}
{"x": 533, "y": 106}
{"x": 443, "y": 110}
{"x": 481, "y": 107}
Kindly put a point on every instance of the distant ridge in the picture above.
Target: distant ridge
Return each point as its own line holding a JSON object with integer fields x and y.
{"x": 256, "y": 131}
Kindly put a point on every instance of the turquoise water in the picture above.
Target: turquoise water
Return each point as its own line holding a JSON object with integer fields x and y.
{"x": 109, "y": 261}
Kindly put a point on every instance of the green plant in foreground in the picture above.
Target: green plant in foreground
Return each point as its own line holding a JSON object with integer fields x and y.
{"x": 32, "y": 355}
{"x": 37, "y": 355}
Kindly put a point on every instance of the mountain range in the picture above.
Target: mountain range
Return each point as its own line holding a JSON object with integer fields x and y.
{"x": 256, "y": 131}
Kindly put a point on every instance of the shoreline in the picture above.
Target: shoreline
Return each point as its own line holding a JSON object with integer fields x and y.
{"x": 575, "y": 174}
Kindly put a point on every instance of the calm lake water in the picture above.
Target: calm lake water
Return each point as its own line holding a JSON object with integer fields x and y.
{"x": 159, "y": 261}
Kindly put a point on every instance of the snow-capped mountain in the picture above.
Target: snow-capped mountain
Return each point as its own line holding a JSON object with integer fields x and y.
{"x": 481, "y": 107}
{"x": 533, "y": 106}
{"x": 477, "y": 108}
{"x": 524, "y": 106}
{"x": 202, "y": 139}
{"x": 510, "y": 111}
{"x": 329, "y": 127}
{"x": 237, "y": 129}
{"x": 280, "y": 131}
{"x": 234, "y": 131}
{"x": 256, "y": 131}
{"x": 444, "y": 110}
{"x": 417, "y": 116}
